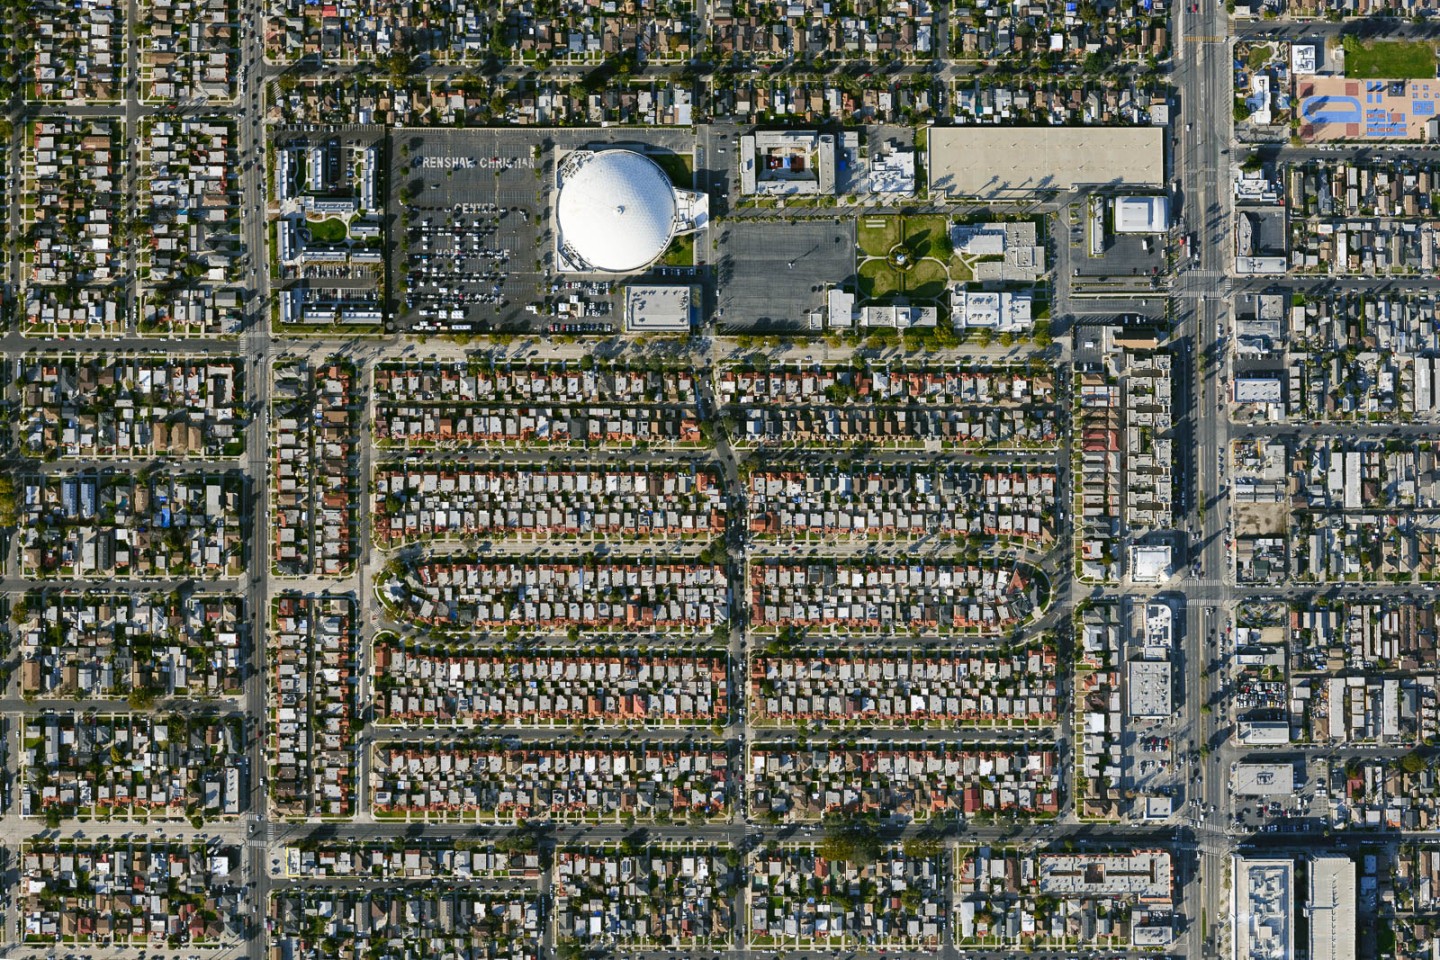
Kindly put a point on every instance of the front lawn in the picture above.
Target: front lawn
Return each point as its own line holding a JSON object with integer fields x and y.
{"x": 926, "y": 280}
{"x": 928, "y": 236}
{"x": 906, "y": 257}
{"x": 880, "y": 281}
{"x": 1389, "y": 60}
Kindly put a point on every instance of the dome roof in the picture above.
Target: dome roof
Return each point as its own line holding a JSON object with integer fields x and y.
{"x": 616, "y": 210}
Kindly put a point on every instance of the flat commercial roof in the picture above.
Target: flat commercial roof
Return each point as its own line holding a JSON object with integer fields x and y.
{"x": 1017, "y": 162}
{"x": 1262, "y": 732}
{"x": 1258, "y": 390}
{"x": 1147, "y": 684}
{"x": 1332, "y": 908}
{"x": 1143, "y": 874}
{"x": 1263, "y": 909}
{"x": 657, "y": 309}
{"x": 784, "y": 162}
{"x": 1264, "y": 779}
{"x": 1142, "y": 214}
{"x": 1150, "y": 564}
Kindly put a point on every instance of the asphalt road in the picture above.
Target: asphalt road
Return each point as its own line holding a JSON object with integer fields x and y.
{"x": 1202, "y": 76}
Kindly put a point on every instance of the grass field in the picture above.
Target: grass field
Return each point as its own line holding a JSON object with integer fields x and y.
{"x": 329, "y": 230}
{"x": 877, "y": 280}
{"x": 927, "y": 281}
{"x": 922, "y": 236}
{"x": 1389, "y": 60}
{"x": 678, "y": 167}
{"x": 681, "y": 252}
{"x": 876, "y": 235}
{"x": 880, "y": 281}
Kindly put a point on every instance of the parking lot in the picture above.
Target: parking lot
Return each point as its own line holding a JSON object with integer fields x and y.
{"x": 770, "y": 275}
{"x": 1148, "y": 755}
{"x": 1307, "y": 807}
{"x": 472, "y": 206}
{"x": 475, "y": 243}
{"x": 1123, "y": 256}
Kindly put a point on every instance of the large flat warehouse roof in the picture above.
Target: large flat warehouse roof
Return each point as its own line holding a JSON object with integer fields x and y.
{"x": 1004, "y": 162}
{"x": 1332, "y": 908}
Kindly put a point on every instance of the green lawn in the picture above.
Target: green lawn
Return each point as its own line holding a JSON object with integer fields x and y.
{"x": 678, "y": 167}
{"x": 926, "y": 240}
{"x": 926, "y": 281}
{"x": 1389, "y": 60}
{"x": 923, "y": 234}
{"x": 681, "y": 252}
{"x": 878, "y": 280}
{"x": 876, "y": 235}
{"x": 329, "y": 230}
{"x": 1259, "y": 56}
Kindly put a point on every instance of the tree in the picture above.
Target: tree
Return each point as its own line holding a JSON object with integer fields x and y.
{"x": 398, "y": 64}
{"x": 1412, "y": 762}
{"x": 9, "y": 514}
{"x": 942, "y": 246}
{"x": 524, "y": 840}
{"x": 854, "y": 843}
{"x": 922, "y": 848}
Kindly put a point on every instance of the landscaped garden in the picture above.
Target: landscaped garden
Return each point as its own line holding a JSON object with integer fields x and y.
{"x": 329, "y": 230}
{"x": 907, "y": 258}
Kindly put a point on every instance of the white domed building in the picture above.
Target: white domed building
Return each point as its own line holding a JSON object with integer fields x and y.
{"x": 616, "y": 211}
